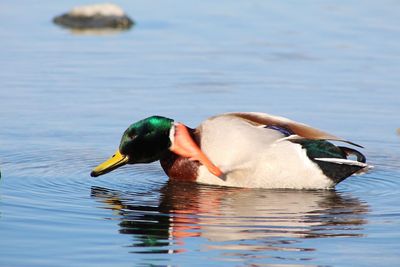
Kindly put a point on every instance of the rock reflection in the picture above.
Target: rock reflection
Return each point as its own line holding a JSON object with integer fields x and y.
{"x": 233, "y": 218}
{"x": 96, "y": 32}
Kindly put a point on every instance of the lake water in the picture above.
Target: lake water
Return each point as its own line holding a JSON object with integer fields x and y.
{"x": 65, "y": 99}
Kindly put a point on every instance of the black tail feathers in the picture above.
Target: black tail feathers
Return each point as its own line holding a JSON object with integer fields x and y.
{"x": 333, "y": 160}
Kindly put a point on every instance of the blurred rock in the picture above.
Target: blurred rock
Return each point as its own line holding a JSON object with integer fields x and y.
{"x": 398, "y": 131}
{"x": 98, "y": 16}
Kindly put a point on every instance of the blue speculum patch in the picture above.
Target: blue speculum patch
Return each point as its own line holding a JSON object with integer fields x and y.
{"x": 282, "y": 130}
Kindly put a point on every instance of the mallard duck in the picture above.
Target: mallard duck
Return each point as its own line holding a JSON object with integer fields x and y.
{"x": 246, "y": 149}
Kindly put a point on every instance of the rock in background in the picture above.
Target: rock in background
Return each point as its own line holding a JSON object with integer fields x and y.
{"x": 97, "y": 16}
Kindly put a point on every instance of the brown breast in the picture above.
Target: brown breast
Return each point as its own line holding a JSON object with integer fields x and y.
{"x": 179, "y": 168}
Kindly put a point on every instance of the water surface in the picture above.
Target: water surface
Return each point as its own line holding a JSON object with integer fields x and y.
{"x": 66, "y": 97}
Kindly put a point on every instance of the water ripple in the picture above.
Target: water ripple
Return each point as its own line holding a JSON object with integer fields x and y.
{"x": 380, "y": 179}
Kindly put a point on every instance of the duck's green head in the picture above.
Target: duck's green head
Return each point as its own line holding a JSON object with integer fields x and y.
{"x": 143, "y": 142}
{"x": 147, "y": 140}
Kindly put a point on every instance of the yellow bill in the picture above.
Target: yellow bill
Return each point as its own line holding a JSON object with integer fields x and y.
{"x": 115, "y": 161}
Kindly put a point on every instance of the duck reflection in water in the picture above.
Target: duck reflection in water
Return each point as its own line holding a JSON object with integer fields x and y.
{"x": 277, "y": 219}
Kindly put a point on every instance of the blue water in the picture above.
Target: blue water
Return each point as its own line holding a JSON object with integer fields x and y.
{"x": 66, "y": 97}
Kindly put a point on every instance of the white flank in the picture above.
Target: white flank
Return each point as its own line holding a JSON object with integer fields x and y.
{"x": 251, "y": 157}
{"x": 105, "y": 9}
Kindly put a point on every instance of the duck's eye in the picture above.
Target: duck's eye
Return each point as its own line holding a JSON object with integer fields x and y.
{"x": 132, "y": 136}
